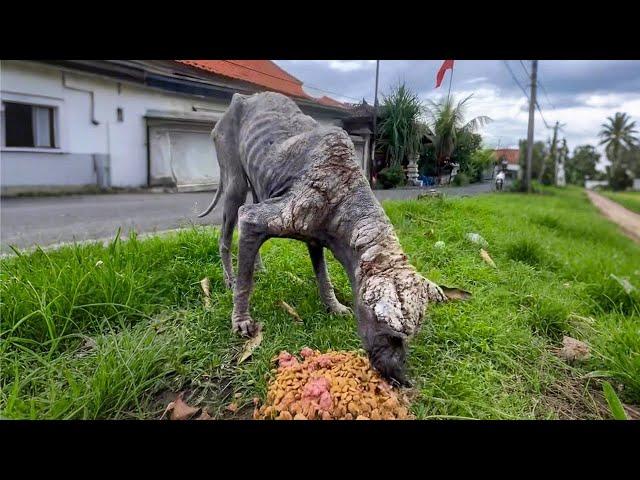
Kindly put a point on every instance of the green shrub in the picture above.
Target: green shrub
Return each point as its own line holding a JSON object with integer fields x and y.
{"x": 461, "y": 179}
{"x": 391, "y": 177}
{"x": 619, "y": 179}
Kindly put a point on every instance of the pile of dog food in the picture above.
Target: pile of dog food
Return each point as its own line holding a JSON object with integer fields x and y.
{"x": 330, "y": 386}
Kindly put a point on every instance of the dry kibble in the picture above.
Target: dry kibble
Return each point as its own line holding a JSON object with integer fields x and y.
{"x": 331, "y": 385}
{"x": 284, "y": 415}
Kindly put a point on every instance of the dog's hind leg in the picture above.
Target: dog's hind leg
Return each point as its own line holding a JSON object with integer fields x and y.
{"x": 234, "y": 199}
{"x": 327, "y": 294}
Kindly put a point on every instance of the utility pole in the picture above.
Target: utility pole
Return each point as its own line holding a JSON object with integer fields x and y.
{"x": 553, "y": 153}
{"x": 532, "y": 106}
{"x": 375, "y": 123}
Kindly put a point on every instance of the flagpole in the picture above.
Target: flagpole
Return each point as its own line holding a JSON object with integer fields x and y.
{"x": 450, "y": 79}
{"x": 375, "y": 125}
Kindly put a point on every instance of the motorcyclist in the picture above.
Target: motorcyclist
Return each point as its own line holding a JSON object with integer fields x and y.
{"x": 500, "y": 177}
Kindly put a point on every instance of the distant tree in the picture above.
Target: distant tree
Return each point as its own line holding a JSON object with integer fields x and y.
{"x": 619, "y": 141}
{"x": 447, "y": 125}
{"x": 539, "y": 153}
{"x": 400, "y": 127}
{"x": 547, "y": 172}
{"x": 630, "y": 159}
{"x": 617, "y": 135}
{"x": 619, "y": 177}
{"x": 479, "y": 161}
{"x": 581, "y": 164}
{"x": 468, "y": 145}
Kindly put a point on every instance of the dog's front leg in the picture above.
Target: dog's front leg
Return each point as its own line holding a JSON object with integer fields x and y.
{"x": 256, "y": 222}
{"x": 327, "y": 294}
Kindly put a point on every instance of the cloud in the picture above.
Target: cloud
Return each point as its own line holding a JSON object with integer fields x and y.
{"x": 578, "y": 93}
{"x": 350, "y": 65}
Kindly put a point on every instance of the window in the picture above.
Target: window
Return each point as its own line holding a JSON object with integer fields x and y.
{"x": 29, "y": 125}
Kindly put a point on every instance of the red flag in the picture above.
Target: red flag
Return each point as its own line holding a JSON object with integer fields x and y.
{"x": 448, "y": 64}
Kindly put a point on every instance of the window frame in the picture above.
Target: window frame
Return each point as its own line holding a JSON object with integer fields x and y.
{"x": 56, "y": 115}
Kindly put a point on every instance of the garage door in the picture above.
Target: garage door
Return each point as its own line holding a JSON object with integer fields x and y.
{"x": 182, "y": 155}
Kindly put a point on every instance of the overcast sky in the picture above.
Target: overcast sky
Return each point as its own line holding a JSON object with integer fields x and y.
{"x": 578, "y": 93}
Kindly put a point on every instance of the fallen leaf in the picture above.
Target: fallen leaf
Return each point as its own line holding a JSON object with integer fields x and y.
{"x": 206, "y": 288}
{"x": 232, "y": 407}
{"x": 573, "y": 349}
{"x": 485, "y": 256}
{"x": 455, "y": 293}
{"x": 99, "y": 263}
{"x": 250, "y": 346}
{"x": 180, "y": 410}
{"x": 204, "y": 416}
{"x": 291, "y": 311}
{"x": 624, "y": 283}
{"x": 87, "y": 348}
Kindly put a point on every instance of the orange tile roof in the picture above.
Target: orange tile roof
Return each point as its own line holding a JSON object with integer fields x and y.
{"x": 330, "y": 102}
{"x": 263, "y": 73}
{"x": 511, "y": 155}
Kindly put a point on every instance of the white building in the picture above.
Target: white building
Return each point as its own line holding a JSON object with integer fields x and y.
{"x": 70, "y": 125}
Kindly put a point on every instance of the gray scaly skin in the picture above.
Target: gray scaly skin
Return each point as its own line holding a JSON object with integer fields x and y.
{"x": 307, "y": 185}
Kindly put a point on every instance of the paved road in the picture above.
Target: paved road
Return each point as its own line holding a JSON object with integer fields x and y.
{"x": 44, "y": 221}
{"x": 628, "y": 221}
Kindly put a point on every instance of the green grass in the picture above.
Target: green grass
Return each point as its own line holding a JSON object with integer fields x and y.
{"x": 103, "y": 332}
{"x": 630, "y": 200}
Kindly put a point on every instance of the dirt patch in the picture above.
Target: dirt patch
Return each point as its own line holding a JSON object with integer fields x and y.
{"x": 576, "y": 398}
{"x": 628, "y": 221}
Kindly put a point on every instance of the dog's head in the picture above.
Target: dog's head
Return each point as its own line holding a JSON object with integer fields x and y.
{"x": 389, "y": 311}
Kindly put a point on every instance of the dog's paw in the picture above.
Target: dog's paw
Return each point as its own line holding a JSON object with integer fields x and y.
{"x": 245, "y": 327}
{"x": 339, "y": 309}
{"x": 435, "y": 293}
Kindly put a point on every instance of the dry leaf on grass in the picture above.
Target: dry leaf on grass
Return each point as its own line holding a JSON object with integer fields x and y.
{"x": 206, "y": 289}
{"x": 291, "y": 311}
{"x": 487, "y": 258}
{"x": 250, "y": 346}
{"x": 87, "y": 348}
{"x": 455, "y": 293}
{"x": 204, "y": 416}
{"x": 180, "y": 410}
{"x": 573, "y": 349}
{"x": 232, "y": 407}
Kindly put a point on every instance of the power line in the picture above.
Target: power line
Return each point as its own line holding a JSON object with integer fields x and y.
{"x": 525, "y": 69}
{"x": 544, "y": 90}
{"x": 540, "y": 110}
{"x": 515, "y": 79}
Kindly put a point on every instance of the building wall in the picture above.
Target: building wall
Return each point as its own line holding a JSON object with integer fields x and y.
{"x": 81, "y": 144}
{"x": 591, "y": 184}
{"x": 79, "y": 139}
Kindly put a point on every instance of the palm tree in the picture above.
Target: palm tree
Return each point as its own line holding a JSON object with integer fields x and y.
{"x": 400, "y": 128}
{"x": 617, "y": 135}
{"x": 447, "y": 124}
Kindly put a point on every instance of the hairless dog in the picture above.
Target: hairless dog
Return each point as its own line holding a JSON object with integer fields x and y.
{"x": 307, "y": 185}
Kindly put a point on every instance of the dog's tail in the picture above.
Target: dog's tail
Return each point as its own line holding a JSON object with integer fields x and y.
{"x": 213, "y": 203}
